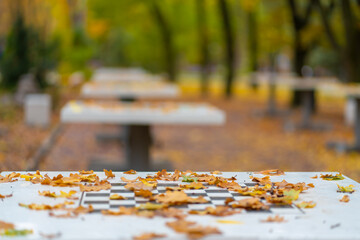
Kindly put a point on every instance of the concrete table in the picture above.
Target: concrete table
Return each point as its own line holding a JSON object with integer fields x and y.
{"x": 330, "y": 219}
{"x": 121, "y": 74}
{"x": 306, "y": 88}
{"x": 354, "y": 93}
{"x": 130, "y": 90}
{"x": 139, "y": 117}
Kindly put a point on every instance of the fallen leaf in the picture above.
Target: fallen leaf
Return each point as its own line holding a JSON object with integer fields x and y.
{"x": 131, "y": 171}
{"x": 193, "y": 185}
{"x": 330, "y": 177}
{"x": 35, "y": 206}
{"x": 262, "y": 181}
{"x": 249, "y": 204}
{"x": 271, "y": 172}
{"x": 219, "y": 211}
{"x": 344, "y": 189}
{"x": 276, "y": 219}
{"x": 192, "y": 229}
{"x": 306, "y": 204}
{"x": 62, "y": 194}
{"x": 117, "y": 197}
{"x": 109, "y": 174}
{"x": 345, "y": 198}
{"x": 186, "y": 178}
{"x": 314, "y": 177}
{"x": 5, "y": 196}
{"x": 6, "y": 225}
{"x": 9, "y": 178}
{"x": 137, "y": 186}
{"x": 120, "y": 211}
{"x": 228, "y": 221}
{"x": 170, "y": 213}
{"x": 83, "y": 172}
{"x": 150, "y": 206}
{"x": 102, "y": 185}
{"x": 216, "y": 172}
{"x": 143, "y": 193}
{"x": 178, "y": 198}
{"x": 149, "y": 236}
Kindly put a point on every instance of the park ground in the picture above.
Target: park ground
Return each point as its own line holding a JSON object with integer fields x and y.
{"x": 247, "y": 142}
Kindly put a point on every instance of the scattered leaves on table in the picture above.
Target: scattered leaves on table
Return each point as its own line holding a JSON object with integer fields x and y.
{"x": 109, "y": 174}
{"x": 178, "y": 198}
{"x": 249, "y": 204}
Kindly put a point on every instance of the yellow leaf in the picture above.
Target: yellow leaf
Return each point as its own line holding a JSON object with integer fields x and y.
{"x": 229, "y": 221}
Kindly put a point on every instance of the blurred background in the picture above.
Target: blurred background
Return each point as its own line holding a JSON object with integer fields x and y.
{"x": 219, "y": 51}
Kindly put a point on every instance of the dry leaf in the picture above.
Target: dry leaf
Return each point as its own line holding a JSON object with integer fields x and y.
{"x": 143, "y": 193}
{"x": 314, "y": 177}
{"x": 149, "y": 236}
{"x": 345, "y": 198}
{"x": 219, "y": 211}
{"x": 9, "y": 178}
{"x": 178, "y": 198}
{"x": 6, "y": 225}
{"x": 150, "y": 206}
{"x": 143, "y": 185}
{"x": 330, "y": 177}
{"x": 216, "y": 172}
{"x": 276, "y": 219}
{"x": 272, "y": 172}
{"x": 109, "y": 174}
{"x": 262, "y": 181}
{"x": 170, "y": 213}
{"x": 222, "y": 221}
{"x": 249, "y": 204}
{"x": 131, "y": 171}
{"x": 306, "y": 204}
{"x": 193, "y": 185}
{"x": 83, "y": 172}
{"x": 61, "y": 195}
{"x": 192, "y": 229}
{"x": 35, "y": 206}
{"x": 117, "y": 197}
{"x": 120, "y": 211}
{"x": 5, "y": 196}
{"x": 98, "y": 186}
{"x": 344, "y": 189}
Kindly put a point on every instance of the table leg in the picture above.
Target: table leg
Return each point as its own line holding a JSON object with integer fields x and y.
{"x": 306, "y": 108}
{"x": 137, "y": 147}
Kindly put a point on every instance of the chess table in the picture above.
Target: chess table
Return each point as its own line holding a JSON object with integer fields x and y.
{"x": 330, "y": 219}
{"x": 139, "y": 117}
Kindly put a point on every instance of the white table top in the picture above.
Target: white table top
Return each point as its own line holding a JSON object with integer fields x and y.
{"x": 330, "y": 219}
{"x": 130, "y": 89}
{"x": 121, "y": 74}
{"x": 141, "y": 113}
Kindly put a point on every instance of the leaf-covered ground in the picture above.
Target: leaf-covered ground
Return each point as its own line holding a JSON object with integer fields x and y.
{"x": 247, "y": 142}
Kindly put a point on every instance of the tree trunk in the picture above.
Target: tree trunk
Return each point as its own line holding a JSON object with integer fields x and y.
{"x": 300, "y": 51}
{"x": 352, "y": 40}
{"x": 203, "y": 46}
{"x": 253, "y": 46}
{"x": 230, "y": 47}
{"x": 167, "y": 36}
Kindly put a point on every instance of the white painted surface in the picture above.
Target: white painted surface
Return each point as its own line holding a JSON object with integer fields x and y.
{"x": 316, "y": 223}
{"x": 146, "y": 113}
{"x": 139, "y": 89}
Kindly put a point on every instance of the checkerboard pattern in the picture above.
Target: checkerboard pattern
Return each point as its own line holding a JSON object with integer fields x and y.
{"x": 215, "y": 195}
